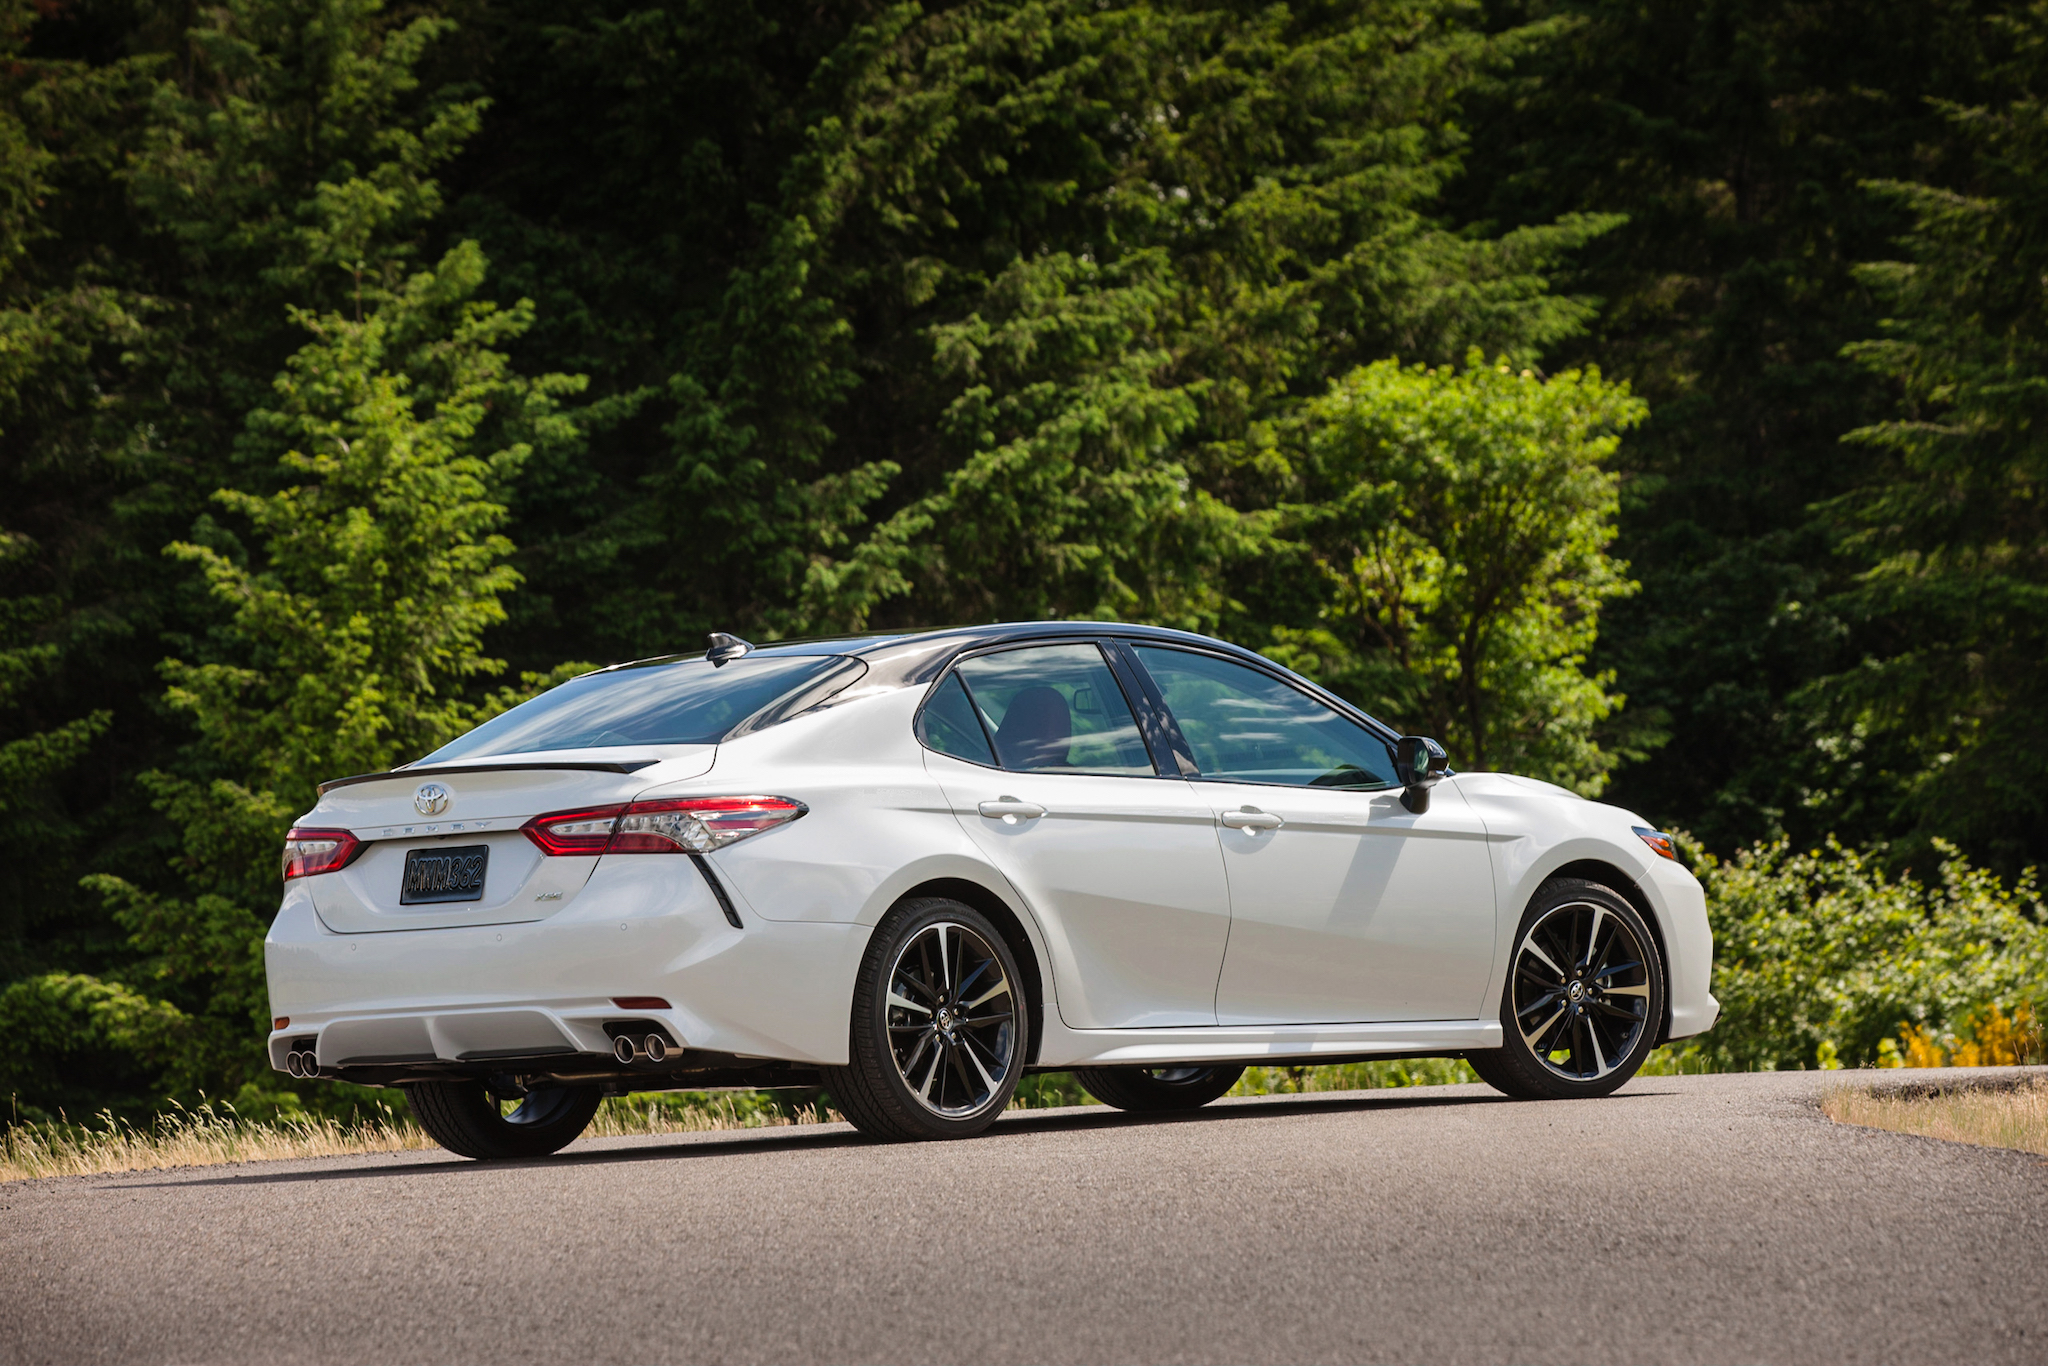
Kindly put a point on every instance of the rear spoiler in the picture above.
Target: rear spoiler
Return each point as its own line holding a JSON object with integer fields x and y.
{"x": 588, "y": 766}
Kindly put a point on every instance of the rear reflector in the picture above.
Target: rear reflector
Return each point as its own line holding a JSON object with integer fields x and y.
{"x": 281, "y": 1022}
{"x": 640, "y": 1003}
{"x": 671, "y": 825}
{"x": 308, "y": 851}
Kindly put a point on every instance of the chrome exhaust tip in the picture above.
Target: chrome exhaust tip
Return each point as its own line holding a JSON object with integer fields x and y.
{"x": 294, "y": 1064}
{"x": 655, "y": 1049}
{"x": 622, "y": 1049}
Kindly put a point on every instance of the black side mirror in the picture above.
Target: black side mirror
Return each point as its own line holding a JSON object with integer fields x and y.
{"x": 1419, "y": 762}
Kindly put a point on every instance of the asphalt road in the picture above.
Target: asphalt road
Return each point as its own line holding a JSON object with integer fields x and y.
{"x": 1693, "y": 1219}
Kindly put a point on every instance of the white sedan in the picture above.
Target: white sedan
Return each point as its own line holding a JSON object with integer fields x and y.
{"x": 913, "y": 868}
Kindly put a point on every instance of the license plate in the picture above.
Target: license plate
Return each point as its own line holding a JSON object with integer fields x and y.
{"x": 444, "y": 875}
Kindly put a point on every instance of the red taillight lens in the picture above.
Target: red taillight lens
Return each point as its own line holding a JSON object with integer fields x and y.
{"x": 697, "y": 825}
{"x": 586, "y": 831}
{"x": 672, "y": 825}
{"x": 1657, "y": 840}
{"x": 307, "y": 852}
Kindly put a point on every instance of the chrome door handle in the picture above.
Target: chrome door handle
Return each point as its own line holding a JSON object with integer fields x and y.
{"x": 1252, "y": 819}
{"x": 1010, "y": 809}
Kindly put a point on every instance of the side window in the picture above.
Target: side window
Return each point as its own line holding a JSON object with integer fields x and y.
{"x": 950, "y": 726}
{"x": 1250, "y": 727}
{"x": 1056, "y": 708}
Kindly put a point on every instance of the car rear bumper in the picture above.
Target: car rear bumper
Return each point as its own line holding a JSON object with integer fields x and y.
{"x": 456, "y": 998}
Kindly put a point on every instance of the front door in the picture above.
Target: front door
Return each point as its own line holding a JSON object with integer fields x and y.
{"x": 1345, "y": 906}
{"x": 1038, "y": 752}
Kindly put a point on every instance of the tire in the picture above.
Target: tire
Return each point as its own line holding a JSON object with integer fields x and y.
{"x": 1599, "y": 1003}
{"x": 463, "y": 1117}
{"x": 936, "y": 1045}
{"x": 1157, "y": 1088}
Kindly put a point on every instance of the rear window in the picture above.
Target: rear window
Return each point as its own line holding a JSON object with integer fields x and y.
{"x": 687, "y": 703}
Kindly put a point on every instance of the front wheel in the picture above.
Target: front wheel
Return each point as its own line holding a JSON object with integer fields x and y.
{"x": 1157, "y": 1088}
{"x": 938, "y": 1031}
{"x": 1584, "y": 998}
{"x": 466, "y": 1118}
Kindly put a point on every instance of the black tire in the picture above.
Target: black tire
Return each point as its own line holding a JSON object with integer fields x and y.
{"x": 1157, "y": 1088}
{"x": 940, "y": 1056}
{"x": 464, "y": 1118}
{"x": 1585, "y": 980}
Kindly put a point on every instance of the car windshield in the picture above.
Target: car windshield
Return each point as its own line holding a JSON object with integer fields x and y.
{"x": 685, "y": 703}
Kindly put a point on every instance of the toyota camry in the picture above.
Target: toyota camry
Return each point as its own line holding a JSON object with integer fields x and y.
{"x": 912, "y": 869}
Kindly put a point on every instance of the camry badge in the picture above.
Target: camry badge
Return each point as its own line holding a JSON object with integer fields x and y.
{"x": 431, "y": 800}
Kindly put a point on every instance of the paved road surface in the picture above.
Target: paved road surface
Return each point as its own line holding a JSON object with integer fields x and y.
{"x": 1693, "y": 1219}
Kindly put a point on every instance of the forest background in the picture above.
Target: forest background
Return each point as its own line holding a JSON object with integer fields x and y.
{"x": 1646, "y": 396}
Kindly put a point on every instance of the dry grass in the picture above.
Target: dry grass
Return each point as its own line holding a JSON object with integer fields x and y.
{"x": 1992, "y": 1116}
{"x": 214, "y": 1134}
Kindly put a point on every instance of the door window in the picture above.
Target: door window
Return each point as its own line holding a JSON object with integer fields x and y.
{"x": 1056, "y": 708}
{"x": 1249, "y": 727}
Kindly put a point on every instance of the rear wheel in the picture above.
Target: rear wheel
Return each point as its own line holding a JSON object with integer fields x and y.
{"x": 466, "y": 1118}
{"x": 1157, "y": 1088}
{"x": 938, "y": 1031}
{"x": 1584, "y": 999}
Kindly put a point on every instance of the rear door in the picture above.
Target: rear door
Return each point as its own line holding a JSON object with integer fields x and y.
{"x": 1345, "y": 906}
{"x": 1038, "y": 751}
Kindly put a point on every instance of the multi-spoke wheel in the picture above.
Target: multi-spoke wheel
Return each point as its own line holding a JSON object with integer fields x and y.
{"x": 1584, "y": 999}
{"x": 939, "y": 1026}
{"x": 1158, "y": 1088}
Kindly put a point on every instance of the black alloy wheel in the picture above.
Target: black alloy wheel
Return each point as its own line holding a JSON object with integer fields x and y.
{"x": 939, "y": 1026}
{"x": 1584, "y": 999}
{"x": 466, "y": 1117}
{"x": 1158, "y": 1088}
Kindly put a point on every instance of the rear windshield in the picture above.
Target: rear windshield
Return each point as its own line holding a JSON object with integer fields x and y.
{"x": 689, "y": 703}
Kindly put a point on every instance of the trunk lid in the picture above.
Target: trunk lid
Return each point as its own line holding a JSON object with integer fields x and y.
{"x": 477, "y": 809}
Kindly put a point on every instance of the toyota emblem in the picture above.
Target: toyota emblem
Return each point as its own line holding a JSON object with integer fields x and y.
{"x": 431, "y": 800}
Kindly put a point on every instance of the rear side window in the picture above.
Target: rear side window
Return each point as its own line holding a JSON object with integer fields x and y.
{"x": 1247, "y": 726}
{"x": 950, "y": 726}
{"x": 1057, "y": 709}
{"x": 685, "y": 703}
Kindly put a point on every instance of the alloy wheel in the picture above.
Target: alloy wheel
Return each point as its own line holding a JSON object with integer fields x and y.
{"x": 1581, "y": 991}
{"x": 952, "y": 1020}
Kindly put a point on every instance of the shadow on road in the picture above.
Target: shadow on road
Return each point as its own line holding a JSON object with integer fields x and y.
{"x": 813, "y": 1138}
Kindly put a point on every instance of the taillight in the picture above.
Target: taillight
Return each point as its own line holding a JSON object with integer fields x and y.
{"x": 307, "y": 852}
{"x": 671, "y": 825}
{"x": 574, "y": 832}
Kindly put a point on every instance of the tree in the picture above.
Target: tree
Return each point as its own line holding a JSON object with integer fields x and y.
{"x": 1941, "y": 721}
{"x": 1462, "y": 520}
{"x": 1736, "y": 138}
{"x": 355, "y": 634}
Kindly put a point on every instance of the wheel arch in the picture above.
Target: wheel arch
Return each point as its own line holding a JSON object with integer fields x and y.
{"x": 1629, "y": 890}
{"x": 1011, "y": 927}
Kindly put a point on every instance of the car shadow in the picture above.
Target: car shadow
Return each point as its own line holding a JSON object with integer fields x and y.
{"x": 818, "y": 1138}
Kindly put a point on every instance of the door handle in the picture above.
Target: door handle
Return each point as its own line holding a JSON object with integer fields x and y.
{"x": 1251, "y": 818}
{"x": 1010, "y": 810}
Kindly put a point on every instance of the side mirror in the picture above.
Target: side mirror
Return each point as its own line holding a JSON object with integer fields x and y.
{"x": 1419, "y": 762}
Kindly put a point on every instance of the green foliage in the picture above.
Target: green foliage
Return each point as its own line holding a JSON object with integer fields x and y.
{"x": 1821, "y": 956}
{"x": 1943, "y": 720}
{"x": 1461, "y": 520}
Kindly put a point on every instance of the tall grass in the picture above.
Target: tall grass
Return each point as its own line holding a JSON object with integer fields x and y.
{"x": 1989, "y": 1116}
{"x": 214, "y": 1133}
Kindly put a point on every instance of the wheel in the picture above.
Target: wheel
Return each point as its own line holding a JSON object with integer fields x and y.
{"x": 464, "y": 1117}
{"x": 1157, "y": 1088}
{"x": 1584, "y": 998}
{"x": 938, "y": 1031}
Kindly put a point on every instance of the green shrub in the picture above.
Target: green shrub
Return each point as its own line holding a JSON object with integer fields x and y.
{"x": 1820, "y": 957}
